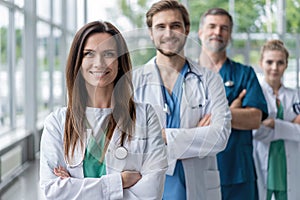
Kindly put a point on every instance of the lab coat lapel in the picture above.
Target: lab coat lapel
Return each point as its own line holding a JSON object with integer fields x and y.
{"x": 153, "y": 90}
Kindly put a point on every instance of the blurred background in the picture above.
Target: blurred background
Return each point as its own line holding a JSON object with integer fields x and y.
{"x": 35, "y": 37}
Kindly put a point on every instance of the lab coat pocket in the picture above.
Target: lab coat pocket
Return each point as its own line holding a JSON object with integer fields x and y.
{"x": 212, "y": 183}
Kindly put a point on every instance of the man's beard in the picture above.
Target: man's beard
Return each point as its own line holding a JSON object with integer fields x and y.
{"x": 216, "y": 48}
{"x": 168, "y": 54}
{"x": 171, "y": 53}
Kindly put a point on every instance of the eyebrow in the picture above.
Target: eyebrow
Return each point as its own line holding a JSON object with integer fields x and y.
{"x": 88, "y": 49}
{"x": 172, "y": 23}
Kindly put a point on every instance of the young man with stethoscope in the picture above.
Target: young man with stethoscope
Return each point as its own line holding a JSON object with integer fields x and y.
{"x": 190, "y": 102}
{"x": 247, "y": 104}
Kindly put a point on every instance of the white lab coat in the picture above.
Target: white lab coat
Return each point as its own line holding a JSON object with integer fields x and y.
{"x": 146, "y": 154}
{"x": 195, "y": 146}
{"x": 284, "y": 129}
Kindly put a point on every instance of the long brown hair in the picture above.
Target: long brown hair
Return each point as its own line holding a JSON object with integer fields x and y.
{"x": 123, "y": 113}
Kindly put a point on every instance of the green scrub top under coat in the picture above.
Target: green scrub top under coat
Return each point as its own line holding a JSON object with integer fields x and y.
{"x": 97, "y": 121}
{"x": 92, "y": 167}
{"x": 277, "y": 162}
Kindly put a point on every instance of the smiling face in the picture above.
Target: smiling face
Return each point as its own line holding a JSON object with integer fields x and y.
{"x": 215, "y": 33}
{"x": 273, "y": 64}
{"x": 100, "y": 61}
{"x": 168, "y": 32}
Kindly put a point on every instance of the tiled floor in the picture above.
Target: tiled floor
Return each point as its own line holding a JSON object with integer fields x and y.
{"x": 26, "y": 186}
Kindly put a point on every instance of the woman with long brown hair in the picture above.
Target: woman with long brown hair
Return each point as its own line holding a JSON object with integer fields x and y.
{"x": 102, "y": 145}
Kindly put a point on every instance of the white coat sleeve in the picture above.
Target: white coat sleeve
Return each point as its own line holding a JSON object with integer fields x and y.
{"x": 203, "y": 141}
{"x": 150, "y": 186}
{"x": 284, "y": 130}
{"x": 51, "y": 155}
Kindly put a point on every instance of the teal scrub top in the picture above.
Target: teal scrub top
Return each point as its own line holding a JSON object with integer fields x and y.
{"x": 235, "y": 163}
{"x": 92, "y": 167}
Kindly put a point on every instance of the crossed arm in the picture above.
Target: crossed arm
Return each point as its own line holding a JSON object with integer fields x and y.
{"x": 241, "y": 116}
{"x": 129, "y": 178}
{"x": 205, "y": 121}
{"x": 270, "y": 122}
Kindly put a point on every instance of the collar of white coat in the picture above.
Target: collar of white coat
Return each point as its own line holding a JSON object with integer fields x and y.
{"x": 269, "y": 89}
{"x": 79, "y": 150}
{"x": 150, "y": 67}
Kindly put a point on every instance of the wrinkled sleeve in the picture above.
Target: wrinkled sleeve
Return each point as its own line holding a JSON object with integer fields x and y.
{"x": 284, "y": 130}
{"x": 150, "y": 186}
{"x": 208, "y": 140}
{"x": 51, "y": 155}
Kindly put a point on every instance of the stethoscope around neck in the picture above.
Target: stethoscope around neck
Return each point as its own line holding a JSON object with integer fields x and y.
{"x": 199, "y": 100}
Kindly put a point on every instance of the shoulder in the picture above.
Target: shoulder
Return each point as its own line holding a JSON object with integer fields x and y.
{"x": 245, "y": 73}
{"x": 58, "y": 115}
{"x": 202, "y": 71}
{"x": 144, "y": 69}
{"x": 208, "y": 77}
{"x": 140, "y": 73}
{"x": 290, "y": 92}
{"x": 55, "y": 122}
{"x": 242, "y": 67}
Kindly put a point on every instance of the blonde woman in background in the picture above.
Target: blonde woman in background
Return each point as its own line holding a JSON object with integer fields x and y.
{"x": 277, "y": 141}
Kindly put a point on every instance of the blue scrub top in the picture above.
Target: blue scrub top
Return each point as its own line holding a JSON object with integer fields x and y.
{"x": 236, "y": 163}
{"x": 175, "y": 185}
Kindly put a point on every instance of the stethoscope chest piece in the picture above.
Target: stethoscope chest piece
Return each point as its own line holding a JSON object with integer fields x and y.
{"x": 229, "y": 83}
{"x": 121, "y": 153}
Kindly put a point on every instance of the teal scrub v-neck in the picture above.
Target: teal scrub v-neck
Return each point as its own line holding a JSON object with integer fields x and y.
{"x": 92, "y": 167}
{"x": 175, "y": 185}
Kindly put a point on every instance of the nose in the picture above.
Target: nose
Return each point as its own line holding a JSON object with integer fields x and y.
{"x": 99, "y": 61}
{"x": 217, "y": 30}
{"x": 274, "y": 66}
{"x": 168, "y": 32}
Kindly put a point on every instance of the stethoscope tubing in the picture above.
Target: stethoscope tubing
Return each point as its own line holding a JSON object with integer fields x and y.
{"x": 166, "y": 107}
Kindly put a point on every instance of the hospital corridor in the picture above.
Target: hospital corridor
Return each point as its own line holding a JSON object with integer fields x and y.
{"x": 61, "y": 62}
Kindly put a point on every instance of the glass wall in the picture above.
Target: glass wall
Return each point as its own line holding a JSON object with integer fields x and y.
{"x": 35, "y": 37}
{"x": 19, "y": 69}
{"x": 43, "y": 68}
{"x": 4, "y": 79}
{"x": 34, "y": 43}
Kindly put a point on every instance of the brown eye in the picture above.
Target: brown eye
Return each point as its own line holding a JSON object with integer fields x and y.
{"x": 269, "y": 62}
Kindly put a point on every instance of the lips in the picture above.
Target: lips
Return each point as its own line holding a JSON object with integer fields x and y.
{"x": 172, "y": 41}
{"x": 99, "y": 74}
{"x": 219, "y": 39}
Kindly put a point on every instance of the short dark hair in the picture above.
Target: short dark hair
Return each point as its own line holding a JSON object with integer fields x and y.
{"x": 167, "y": 5}
{"x": 216, "y": 11}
